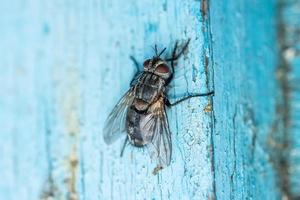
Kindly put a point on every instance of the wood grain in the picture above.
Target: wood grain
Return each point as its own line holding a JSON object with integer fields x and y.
{"x": 64, "y": 65}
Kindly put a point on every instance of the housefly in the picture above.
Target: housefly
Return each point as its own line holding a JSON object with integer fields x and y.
{"x": 141, "y": 112}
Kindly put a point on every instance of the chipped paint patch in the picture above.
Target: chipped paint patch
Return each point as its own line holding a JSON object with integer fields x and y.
{"x": 204, "y": 7}
{"x": 71, "y": 181}
{"x": 71, "y": 101}
{"x": 156, "y": 170}
{"x": 208, "y": 108}
{"x": 50, "y": 191}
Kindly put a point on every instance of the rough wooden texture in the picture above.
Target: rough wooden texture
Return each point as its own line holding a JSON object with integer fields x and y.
{"x": 245, "y": 63}
{"x": 289, "y": 29}
{"x": 64, "y": 65}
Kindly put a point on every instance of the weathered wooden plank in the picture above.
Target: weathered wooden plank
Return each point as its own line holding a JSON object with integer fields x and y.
{"x": 245, "y": 63}
{"x": 289, "y": 45}
{"x": 22, "y": 160}
{"x": 66, "y": 63}
{"x": 162, "y": 23}
{"x": 74, "y": 54}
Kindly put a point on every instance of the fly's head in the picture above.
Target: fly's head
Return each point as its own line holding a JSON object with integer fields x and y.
{"x": 158, "y": 66}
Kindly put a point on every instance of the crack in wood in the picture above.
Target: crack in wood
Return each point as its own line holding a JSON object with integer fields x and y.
{"x": 207, "y": 55}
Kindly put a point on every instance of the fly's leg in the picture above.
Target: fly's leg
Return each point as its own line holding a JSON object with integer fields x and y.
{"x": 169, "y": 104}
{"x": 138, "y": 71}
{"x": 173, "y": 56}
{"x": 176, "y": 56}
{"x": 135, "y": 62}
{"x": 124, "y": 145}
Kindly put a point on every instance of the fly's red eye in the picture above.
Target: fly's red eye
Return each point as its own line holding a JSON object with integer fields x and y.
{"x": 162, "y": 68}
{"x": 146, "y": 63}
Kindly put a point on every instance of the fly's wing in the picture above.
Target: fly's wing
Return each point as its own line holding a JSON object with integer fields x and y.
{"x": 155, "y": 126}
{"x": 136, "y": 78}
{"x": 115, "y": 124}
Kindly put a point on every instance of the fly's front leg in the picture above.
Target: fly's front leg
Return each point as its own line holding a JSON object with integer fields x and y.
{"x": 169, "y": 104}
{"x": 176, "y": 56}
{"x": 135, "y": 62}
{"x": 138, "y": 70}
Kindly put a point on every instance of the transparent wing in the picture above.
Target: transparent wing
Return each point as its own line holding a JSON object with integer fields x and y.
{"x": 155, "y": 126}
{"x": 136, "y": 78}
{"x": 115, "y": 123}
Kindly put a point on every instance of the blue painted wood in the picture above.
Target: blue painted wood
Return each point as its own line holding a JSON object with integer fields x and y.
{"x": 245, "y": 63}
{"x": 65, "y": 64}
{"x": 290, "y": 41}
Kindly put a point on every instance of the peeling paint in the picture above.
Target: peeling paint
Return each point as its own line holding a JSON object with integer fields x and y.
{"x": 71, "y": 102}
{"x": 156, "y": 170}
{"x": 207, "y": 57}
{"x": 50, "y": 191}
{"x": 208, "y": 107}
{"x": 204, "y": 8}
{"x": 71, "y": 181}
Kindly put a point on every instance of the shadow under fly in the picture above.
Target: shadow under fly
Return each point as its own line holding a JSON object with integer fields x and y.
{"x": 141, "y": 112}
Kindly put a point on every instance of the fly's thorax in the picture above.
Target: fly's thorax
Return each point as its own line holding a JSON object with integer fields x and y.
{"x": 158, "y": 66}
{"x": 148, "y": 89}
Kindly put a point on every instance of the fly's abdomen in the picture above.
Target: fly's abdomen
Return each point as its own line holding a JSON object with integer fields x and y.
{"x": 133, "y": 127}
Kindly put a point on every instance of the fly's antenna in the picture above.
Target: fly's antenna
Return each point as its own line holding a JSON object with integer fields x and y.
{"x": 161, "y": 52}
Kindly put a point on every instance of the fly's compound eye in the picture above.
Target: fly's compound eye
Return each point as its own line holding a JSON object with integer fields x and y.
{"x": 146, "y": 63}
{"x": 162, "y": 69}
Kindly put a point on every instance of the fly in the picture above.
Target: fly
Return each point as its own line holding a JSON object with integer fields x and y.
{"x": 141, "y": 112}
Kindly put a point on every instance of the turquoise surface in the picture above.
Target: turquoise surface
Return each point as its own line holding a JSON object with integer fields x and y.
{"x": 64, "y": 65}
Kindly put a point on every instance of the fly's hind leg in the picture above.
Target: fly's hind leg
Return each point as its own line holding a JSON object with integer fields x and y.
{"x": 124, "y": 145}
{"x": 169, "y": 104}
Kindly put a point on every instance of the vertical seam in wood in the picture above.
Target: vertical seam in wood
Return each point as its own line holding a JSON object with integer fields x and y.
{"x": 50, "y": 190}
{"x": 281, "y": 123}
{"x": 209, "y": 72}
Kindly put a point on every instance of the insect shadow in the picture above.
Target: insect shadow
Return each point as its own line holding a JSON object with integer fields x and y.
{"x": 141, "y": 112}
